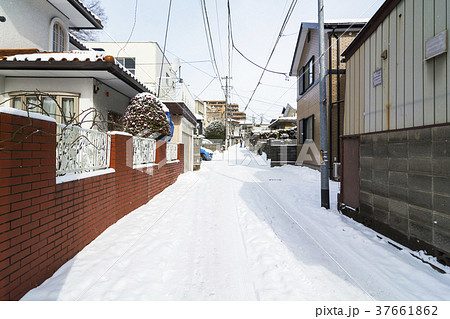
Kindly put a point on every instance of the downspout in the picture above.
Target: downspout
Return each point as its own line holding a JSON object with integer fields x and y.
{"x": 330, "y": 99}
{"x": 338, "y": 63}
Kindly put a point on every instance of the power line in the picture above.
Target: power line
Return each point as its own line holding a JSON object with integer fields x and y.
{"x": 255, "y": 64}
{"x": 132, "y": 29}
{"x": 210, "y": 41}
{"x": 187, "y": 62}
{"x": 218, "y": 32}
{"x": 231, "y": 39}
{"x": 190, "y": 64}
{"x": 198, "y": 95}
{"x": 329, "y": 47}
{"x": 288, "y": 15}
{"x": 164, "y": 50}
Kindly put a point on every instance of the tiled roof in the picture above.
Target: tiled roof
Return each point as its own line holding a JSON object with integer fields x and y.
{"x": 87, "y": 9}
{"x": 59, "y": 56}
{"x": 72, "y": 56}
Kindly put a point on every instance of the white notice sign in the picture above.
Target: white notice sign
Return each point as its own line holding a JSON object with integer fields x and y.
{"x": 436, "y": 45}
{"x": 378, "y": 77}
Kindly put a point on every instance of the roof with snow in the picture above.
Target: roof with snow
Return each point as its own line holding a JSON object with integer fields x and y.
{"x": 292, "y": 120}
{"x": 74, "y": 64}
{"x": 349, "y": 25}
{"x": 180, "y": 108}
{"x": 80, "y": 17}
{"x": 77, "y": 42}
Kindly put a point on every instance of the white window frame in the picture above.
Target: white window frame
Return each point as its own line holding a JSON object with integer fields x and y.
{"x": 123, "y": 61}
{"x": 61, "y": 24}
{"x": 57, "y": 96}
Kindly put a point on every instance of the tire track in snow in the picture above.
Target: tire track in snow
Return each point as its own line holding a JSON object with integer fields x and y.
{"x": 312, "y": 238}
{"x": 247, "y": 268}
{"x": 242, "y": 276}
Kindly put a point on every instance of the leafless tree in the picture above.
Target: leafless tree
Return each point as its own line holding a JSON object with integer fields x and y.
{"x": 96, "y": 7}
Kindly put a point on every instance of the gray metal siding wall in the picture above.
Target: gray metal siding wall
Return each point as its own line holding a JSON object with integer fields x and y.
{"x": 415, "y": 92}
{"x": 405, "y": 183}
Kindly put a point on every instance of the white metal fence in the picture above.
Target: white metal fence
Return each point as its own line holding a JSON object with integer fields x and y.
{"x": 81, "y": 150}
{"x": 144, "y": 150}
{"x": 172, "y": 151}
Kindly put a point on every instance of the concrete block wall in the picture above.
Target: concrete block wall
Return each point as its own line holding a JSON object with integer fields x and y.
{"x": 43, "y": 223}
{"x": 405, "y": 184}
{"x": 281, "y": 154}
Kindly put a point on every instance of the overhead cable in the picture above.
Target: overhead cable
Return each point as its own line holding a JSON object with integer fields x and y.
{"x": 132, "y": 29}
{"x": 210, "y": 41}
{"x": 286, "y": 20}
{"x": 164, "y": 50}
{"x": 329, "y": 47}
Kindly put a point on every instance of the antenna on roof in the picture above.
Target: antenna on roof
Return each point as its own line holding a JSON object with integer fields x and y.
{"x": 2, "y": 19}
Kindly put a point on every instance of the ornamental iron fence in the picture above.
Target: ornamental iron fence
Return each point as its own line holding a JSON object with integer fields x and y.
{"x": 81, "y": 150}
{"x": 172, "y": 152}
{"x": 144, "y": 150}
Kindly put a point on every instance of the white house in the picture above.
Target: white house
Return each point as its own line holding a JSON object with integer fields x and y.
{"x": 145, "y": 61}
{"x": 43, "y": 25}
{"x": 35, "y": 62}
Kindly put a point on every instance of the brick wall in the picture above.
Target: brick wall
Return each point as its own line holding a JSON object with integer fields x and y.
{"x": 44, "y": 224}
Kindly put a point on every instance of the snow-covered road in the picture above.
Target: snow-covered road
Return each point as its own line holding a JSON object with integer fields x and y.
{"x": 240, "y": 230}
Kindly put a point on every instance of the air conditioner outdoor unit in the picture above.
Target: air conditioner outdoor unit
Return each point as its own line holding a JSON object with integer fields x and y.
{"x": 337, "y": 170}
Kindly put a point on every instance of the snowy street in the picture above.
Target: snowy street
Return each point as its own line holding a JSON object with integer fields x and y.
{"x": 240, "y": 230}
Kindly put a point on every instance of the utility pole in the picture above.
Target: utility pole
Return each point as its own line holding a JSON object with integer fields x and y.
{"x": 324, "y": 178}
{"x": 226, "y": 112}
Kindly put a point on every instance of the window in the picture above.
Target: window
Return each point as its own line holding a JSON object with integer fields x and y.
{"x": 306, "y": 78}
{"x": 306, "y": 129}
{"x": 129, "y": 63}
{"x": 114, "y": 119}
{"x": 59, "y": 38}
{"x": 63, "y": 107}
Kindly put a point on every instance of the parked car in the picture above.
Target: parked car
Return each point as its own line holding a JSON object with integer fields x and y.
{"x": 206, "y": 141}
{"x": 206, "y": 154}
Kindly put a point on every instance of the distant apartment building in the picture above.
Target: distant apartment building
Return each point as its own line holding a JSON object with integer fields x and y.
{"x": 233, "y": 110}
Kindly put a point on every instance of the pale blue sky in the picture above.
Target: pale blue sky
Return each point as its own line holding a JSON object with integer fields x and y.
{"x": 256, "y": 24}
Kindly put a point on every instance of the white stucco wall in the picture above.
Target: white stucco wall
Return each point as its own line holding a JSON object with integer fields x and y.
{"x": 187, "y": 138}
{"x": 116, "y": 101}
{"x": 79, "y": 86}
{"x": 27, "y": 24}
{"x": 108, "y": 99}
{"x": 148, "y": 57}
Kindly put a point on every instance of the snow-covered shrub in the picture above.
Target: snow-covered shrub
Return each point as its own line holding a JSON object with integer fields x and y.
{"x": 145, "y": 117}
{"x": 215, "y": 131}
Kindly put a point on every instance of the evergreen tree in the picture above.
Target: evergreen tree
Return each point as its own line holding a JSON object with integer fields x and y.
{"x": 215, "y": 130}
{"x": 145, "y": 117}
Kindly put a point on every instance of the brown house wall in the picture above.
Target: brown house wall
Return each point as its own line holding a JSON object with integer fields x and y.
{"x": 308, "y": 104}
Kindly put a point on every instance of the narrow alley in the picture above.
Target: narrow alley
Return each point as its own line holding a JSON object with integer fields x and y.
{"x": 240, "y": 230}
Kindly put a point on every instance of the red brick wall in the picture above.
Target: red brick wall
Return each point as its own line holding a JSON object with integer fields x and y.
{"x": 44, "y": 224}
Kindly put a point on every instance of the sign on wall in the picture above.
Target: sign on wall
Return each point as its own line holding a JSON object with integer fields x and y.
{"x": 436, "y": 45}
{"x": 377, "y": 77}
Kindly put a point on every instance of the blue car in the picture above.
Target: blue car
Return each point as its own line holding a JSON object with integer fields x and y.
{"x": 206, "y": 154}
